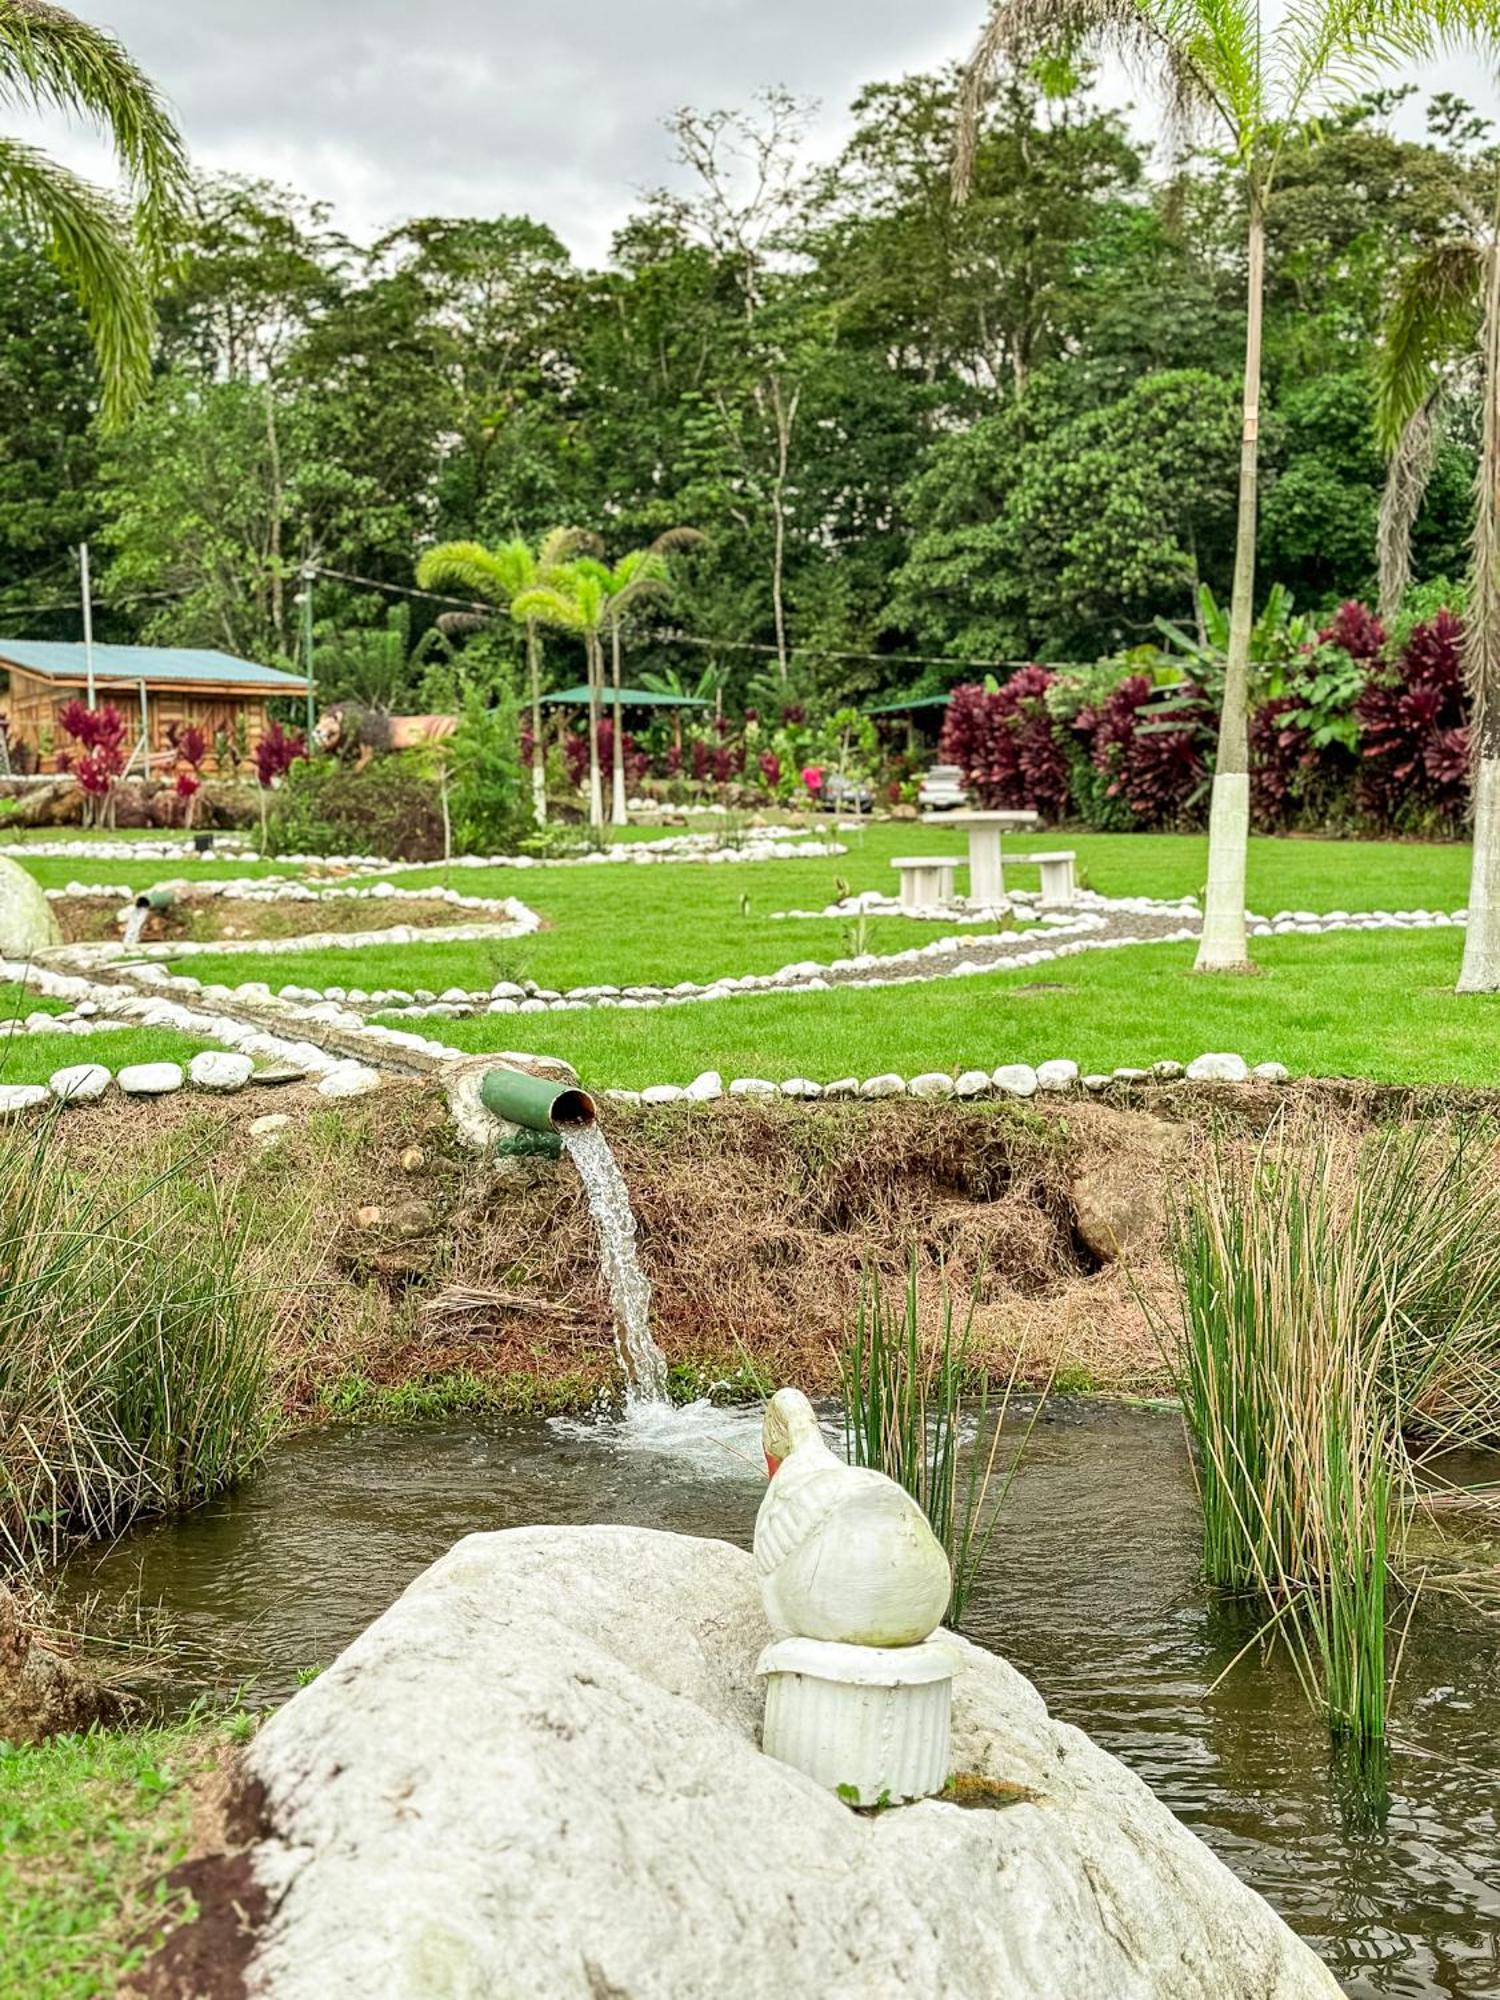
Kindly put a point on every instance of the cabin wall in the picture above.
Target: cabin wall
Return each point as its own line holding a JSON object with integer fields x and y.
{"x": 35, "y": 704}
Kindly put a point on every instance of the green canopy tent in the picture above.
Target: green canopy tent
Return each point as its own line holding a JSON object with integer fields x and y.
{"x": 911, "y": 708}
{"x": 576, "y": 697}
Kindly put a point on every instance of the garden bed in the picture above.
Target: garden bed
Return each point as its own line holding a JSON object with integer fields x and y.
{"x": 223, "y": 920}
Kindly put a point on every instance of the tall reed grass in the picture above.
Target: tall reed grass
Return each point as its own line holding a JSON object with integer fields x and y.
{"x": 134, "y": 1352}
{"x": 1340, "y": 1319}
{"x": 910, "y": 1399}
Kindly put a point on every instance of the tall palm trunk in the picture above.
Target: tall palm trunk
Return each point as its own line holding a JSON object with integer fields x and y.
{"x": 538, "y": 749}
{"x": 1480, "y": 972}
{"x": 596, "y": 684}
{"x": 618, "y": 814}
{"x": 1223, "y": 947}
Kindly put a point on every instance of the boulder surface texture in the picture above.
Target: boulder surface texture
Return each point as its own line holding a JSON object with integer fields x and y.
{"x": 538, "y": 1774}
{"x": 27, "y": 922}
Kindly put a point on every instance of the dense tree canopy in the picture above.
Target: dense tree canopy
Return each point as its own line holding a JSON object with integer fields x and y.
{"x": 1000, "y": 432}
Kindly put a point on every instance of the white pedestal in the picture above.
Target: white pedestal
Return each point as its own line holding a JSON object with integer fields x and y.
{"x": 868, "y": 1722}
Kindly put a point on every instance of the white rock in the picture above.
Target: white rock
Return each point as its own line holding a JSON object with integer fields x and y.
{"x": 158, "y": 1079}
{"x": 662, "y": 1093}
{"x": 271, "y": 1126}
{"x": 932, "y": 1083}
{"x": 27, "y": 923}
{"x": 1218, "y": 1069}
{"x": 1166, "y": 1071}
{"x": 973, "y": 1083}
{"x": 802, "y": 1087}
{"x": 349, "y": 1079}
{"x": 538, "y": 1774}
{"x": 888, "y": 1085}
{"x": 843, "y": 1086}
{"x": 1015, "y": 1079}
{"x": 1272, "y": 1072}
{"x": 18, "y": 1097}
{"x": 752, "y": 1086}
{"x": 705, "y": 1088}
{"x": 1059, "y": 1074}
{"x": 1097, "y": 1081}
{"x": 79, "y": 1083}
{"x": 219, "y": 1070}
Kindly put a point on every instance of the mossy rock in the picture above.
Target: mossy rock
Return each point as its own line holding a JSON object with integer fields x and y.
{"x": 27, "y": 924}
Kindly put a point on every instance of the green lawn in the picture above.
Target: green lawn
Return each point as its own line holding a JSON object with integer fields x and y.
{"x": 88, "y": 1824}
{"x": 33, "y": 1058}
{"x": 673, "y": 921}
{"x": 1355, "y": 1004}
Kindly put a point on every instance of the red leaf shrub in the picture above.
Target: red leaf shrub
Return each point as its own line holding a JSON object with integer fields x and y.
{"x": 275, "y": 754}
{"x": 1413, "y": 720}
{"x": 1005, "y": 745}
{"x": 189, "y": 742}
{"x": 1153, "y": 747}
{"x": 101, "y": 731}
{"x": 1281, "y": 754}
{"x": 770, "y": 769}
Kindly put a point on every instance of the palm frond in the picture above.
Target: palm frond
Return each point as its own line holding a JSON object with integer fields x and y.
{"x": 1434, "y": 315}
{"x": 49, "y": 58}
{"x": 88, "y": 238}
{"x": 470, "y": 567}
{"x": 1323, "y": 51}
{"x": 561, "y": 545}
{"x": 1197, "y": 48}
{"x": 1408, "y": 470}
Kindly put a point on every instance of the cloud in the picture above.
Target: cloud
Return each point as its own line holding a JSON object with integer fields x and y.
{"x": 387, "y": 110}
{"x": 480, "y": 107}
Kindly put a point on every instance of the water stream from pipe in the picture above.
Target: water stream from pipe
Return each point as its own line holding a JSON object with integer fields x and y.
{"x": 135, "y": 923}
{"x": 644, "y": 1364}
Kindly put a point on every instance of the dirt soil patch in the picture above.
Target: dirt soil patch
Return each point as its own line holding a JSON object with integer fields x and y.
{"x": 227, "y": 919}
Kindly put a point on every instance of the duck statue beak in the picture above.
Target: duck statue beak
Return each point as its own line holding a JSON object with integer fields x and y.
{"x": 771, "y": 1465}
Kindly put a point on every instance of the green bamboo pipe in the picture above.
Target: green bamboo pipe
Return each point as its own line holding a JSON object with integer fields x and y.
{"x": 535, "y": 1102}
{"x": 159, "y": 898}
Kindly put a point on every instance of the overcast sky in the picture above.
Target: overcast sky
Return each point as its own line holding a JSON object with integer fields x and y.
{"x": 388, "y": 109}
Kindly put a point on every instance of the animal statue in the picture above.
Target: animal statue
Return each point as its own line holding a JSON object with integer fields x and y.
{"x": 355, "y": 734}
{"x": 844, "y": 1553}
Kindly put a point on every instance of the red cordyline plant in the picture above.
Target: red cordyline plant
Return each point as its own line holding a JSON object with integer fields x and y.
{"x": 191, "y": 746}
{"x": 1153, "y": 746}
{"x": 1413, "y": 722}
{"x": 102, "y": 733}
{"x": 1003, "y": 742}
{"x": 275, "y": 754}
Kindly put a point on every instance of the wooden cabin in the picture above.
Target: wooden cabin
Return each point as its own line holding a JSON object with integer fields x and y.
{"x": 154, "y": 687}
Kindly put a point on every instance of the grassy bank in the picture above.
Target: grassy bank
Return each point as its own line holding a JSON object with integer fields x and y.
{"x": 1354, "y": 1004}
{"x": 91, "y": 1824}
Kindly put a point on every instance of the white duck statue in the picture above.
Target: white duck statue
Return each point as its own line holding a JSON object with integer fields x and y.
{"x": 844, "y": 1553}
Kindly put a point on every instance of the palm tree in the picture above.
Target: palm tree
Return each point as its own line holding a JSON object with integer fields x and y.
{"x": 500, "y": 576}
{"x": 1257, "y": 84}
{"x": 635, "y": 577}
{"x": 1446, "y": 310}
{"x": 575, "y": 599}
{"x": 108, "y": 252}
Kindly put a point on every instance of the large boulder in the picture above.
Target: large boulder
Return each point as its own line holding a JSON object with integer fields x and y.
{"x": 27, "y": 924}
{"x": 538, "y": 1774}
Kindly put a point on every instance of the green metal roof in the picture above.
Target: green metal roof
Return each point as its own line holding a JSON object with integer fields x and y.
{"x": 912, "y": 701}
{"x": 156, "y": 665}
{"x": 629, "y": 698}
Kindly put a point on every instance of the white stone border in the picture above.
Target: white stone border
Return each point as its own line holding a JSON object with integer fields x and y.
{"x": 1056, "y": 1078}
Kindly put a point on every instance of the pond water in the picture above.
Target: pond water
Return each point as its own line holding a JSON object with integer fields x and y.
{"x": 1091, "y": 1588}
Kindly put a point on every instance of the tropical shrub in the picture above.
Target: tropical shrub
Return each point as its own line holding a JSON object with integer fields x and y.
{"x": 490, "y": 805}
{"x": 392, "y": 807}
{"x": 1004, "y": 742}
{"x": 1414, "y": 739}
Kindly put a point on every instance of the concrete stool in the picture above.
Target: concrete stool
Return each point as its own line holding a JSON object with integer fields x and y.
{"x": 1059, "y": 886}
{"x": 926, "y": 881}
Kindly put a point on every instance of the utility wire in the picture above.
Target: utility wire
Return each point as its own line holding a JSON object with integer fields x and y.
{"x": 672, "y": 636}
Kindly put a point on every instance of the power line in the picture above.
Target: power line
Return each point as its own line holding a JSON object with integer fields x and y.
{"x": 672, "y": 636}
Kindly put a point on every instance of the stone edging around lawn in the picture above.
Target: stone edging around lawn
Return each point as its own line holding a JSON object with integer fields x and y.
{"x": 214, "y": 1072}
{"x": 1055, "y": 1078}
{"x": 1104, "y": 926}
{"x": 758, "y": 844}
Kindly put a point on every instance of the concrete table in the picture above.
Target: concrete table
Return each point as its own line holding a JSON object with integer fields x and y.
{"x": 986, "y": 870}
